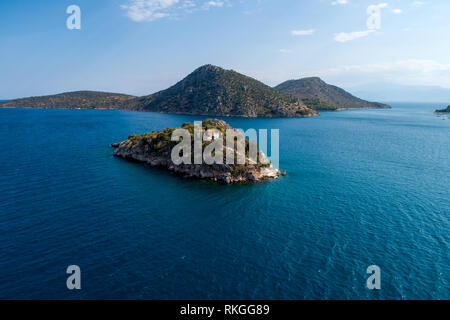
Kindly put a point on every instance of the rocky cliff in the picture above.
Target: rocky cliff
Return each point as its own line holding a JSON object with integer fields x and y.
{"x": 155, "y": 150}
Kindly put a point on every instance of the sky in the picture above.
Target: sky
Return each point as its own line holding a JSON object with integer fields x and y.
{"x": 143, "y": 46}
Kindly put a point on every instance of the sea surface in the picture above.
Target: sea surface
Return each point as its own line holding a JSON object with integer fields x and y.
{"x": 363, "y": 187}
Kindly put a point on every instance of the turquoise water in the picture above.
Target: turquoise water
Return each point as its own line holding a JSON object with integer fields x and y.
{"x": 363, "y": 187}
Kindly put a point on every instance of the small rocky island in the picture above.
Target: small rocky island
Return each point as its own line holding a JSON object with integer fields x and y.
{"x": 155, "y": 149}
{"x": 444, "y": 110}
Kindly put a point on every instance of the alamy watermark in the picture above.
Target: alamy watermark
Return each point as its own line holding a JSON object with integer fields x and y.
{"x": 225, "y": 146}
{"x": 73, "y": 22}
{"x": 73, "y": 282}
{"x": 374, "y": 281}
{"x": 374, "y": 19}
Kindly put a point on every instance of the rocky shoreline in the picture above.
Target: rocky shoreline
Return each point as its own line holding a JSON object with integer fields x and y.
{"x": 447, "y": 110}
{"x": 155, "y": 149}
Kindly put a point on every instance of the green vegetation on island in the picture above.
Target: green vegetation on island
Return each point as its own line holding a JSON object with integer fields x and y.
{"x": 156, "y": 148}
{"x": 319, "y": 95}
{"x": 317, "y": 104}
{"x": 213, "y": 91}
{"x": 73, "y": 100}
{"x": 209, "y": 90}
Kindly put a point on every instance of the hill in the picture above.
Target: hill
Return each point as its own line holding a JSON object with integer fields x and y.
{"x": 72, "y": 100}
{"x": 211, "y": 90}
{"x": 319, "y": 95}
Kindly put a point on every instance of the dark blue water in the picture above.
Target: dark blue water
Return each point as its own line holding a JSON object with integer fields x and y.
{"x": 363, "y": 187}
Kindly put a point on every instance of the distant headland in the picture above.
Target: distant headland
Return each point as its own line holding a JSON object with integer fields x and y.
{"x": 447, "y": 110}
{"x": 319, "y": 95}
{"x": 213, "y": 91}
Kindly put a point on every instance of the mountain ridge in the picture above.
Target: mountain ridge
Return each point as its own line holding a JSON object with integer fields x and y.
{"x": 208, "y": 90}
{"x": 319, "y": 95}
{"x": 211, "y": 90}
{"x": 84, "y": 99}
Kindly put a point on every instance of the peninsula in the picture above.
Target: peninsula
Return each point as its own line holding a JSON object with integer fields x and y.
{"x": 214, "y": 91}
{"x": 209, "y": 90}
{"x": 319, "y": 95}
{"x": 72, "y": 100}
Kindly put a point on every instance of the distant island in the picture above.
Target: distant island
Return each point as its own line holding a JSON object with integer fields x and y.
{"x": 319, "y": 95}
{"x": 447, "y": 110}
{"x": 72, "y": 100}
{"x": 155, "y": 149}
{"x": 213, "y": 91}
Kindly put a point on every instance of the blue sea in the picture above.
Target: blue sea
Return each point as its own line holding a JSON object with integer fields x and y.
{"x": 363, "y": 187}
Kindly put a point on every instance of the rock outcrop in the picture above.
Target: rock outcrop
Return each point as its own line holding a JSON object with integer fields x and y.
{"x": 447, "y": 110}
{"x": 155, "y": 149}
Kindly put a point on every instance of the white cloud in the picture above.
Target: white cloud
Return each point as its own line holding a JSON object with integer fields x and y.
{"x": 345, "y": 37}
{"x": 150, "y": 10}
{"x": 285, "y": 51}
{"x": 411, "y": 71}
{"x": 407, "y": 72}
{"x": 187, "y": 4}
{"x": 302, "y": 32}
{"x": 420, "y": 65}
{"x": 418, "y": 4}
{"x": 337, "y": 2}
{"x": 397, "y": 11}
{"x": 210, "y": 4}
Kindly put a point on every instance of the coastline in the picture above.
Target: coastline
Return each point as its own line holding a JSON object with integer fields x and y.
{"x": 156, "y": 149}
{"x": 174, "y": 113}
{"x": 210, "y": 115}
